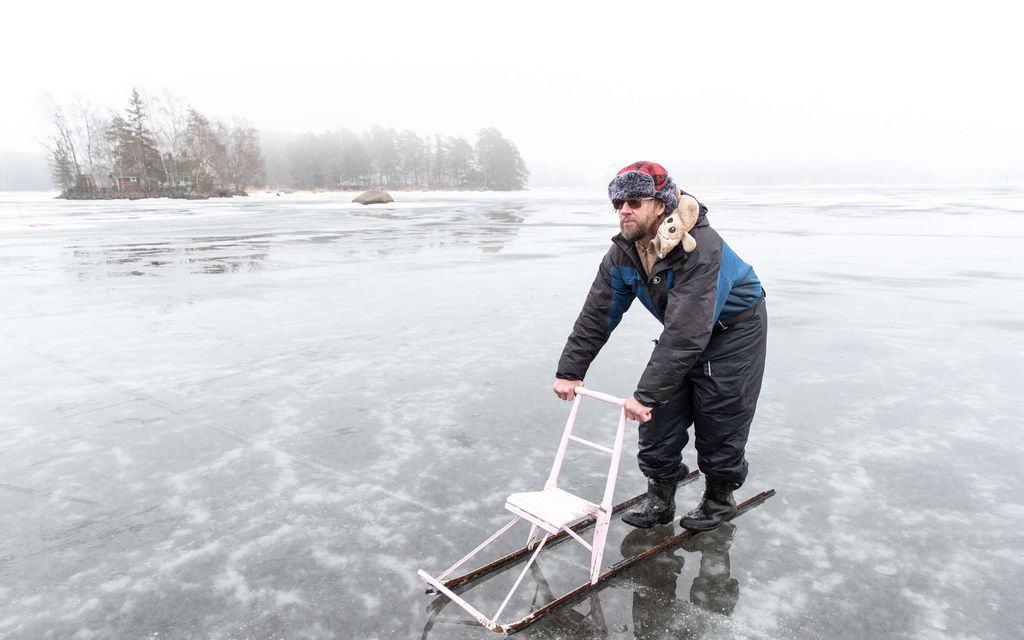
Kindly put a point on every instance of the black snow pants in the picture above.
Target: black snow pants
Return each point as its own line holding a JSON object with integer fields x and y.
{"x": 718, "y": 397}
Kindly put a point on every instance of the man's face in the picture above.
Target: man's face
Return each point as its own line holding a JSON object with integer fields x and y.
{"x": 640, "y": 219}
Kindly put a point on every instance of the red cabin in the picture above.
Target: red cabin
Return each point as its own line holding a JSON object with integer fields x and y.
{"x": 127, "y": 183}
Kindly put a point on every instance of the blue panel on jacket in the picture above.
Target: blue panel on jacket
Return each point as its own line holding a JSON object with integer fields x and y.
{"x": 628, "y": 283}
{"x": 623, "y": 279}
{"x": 738, "y": 285}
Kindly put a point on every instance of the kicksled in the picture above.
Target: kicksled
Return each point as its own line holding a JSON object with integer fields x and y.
{"x": 556, "y": 515}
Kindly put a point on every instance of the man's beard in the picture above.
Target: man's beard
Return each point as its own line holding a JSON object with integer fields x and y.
{"x": 636, "y": 231}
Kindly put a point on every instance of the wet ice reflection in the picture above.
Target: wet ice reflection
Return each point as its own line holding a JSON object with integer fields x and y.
{"x": 198, "y": 255}
{"x": 488, "y": 230}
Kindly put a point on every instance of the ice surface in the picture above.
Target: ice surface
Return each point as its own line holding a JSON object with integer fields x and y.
{"x": 254, "y": 418}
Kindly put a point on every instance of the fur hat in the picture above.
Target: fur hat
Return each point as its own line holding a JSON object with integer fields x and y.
{"x": 644, "y": 180}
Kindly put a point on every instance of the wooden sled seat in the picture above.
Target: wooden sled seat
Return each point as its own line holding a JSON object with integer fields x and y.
{"x": 551, "y": 508}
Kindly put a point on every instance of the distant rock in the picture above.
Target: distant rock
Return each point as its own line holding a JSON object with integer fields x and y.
{"x": 373, "y": 196}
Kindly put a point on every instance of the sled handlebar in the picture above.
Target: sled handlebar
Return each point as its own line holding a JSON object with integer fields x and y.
{"x": 603, "y": 397}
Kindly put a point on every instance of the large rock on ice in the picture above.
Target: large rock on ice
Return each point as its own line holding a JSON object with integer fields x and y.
{"x": 373, "y": 196}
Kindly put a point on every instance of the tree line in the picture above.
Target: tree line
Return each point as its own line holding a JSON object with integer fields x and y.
{"x": 161, "y": 146}
{"x": 395, "y": 160}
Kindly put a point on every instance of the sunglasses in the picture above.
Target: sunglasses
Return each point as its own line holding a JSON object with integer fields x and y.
{"x": 635, "y": 203}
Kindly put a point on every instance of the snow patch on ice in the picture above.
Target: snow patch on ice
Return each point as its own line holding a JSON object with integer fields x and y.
{"x": 329, "y": 560}
{"x": 184, "y": 557}
{"x": 233, "y": 581}
{"x": 116, "y": 584}
{"x": 121, "y": 457}
{"x": 371, "y": 603}
{"x": 309, "y": 495}
{"x": 931, "y": 611}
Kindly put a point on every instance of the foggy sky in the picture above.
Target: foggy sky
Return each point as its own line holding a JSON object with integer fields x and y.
{"x": 737, "y": 92}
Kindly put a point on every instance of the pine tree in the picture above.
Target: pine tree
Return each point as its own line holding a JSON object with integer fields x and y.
{"x": 144, "y": 158}
{"x": 413, "y": 159}
{"x": 118, "y": 138}
{"x": 356, "y": 162}
{"x": 440, "y": 161}
{"x": 62, "y": 166}
{"x": 499, "y": 162}
{"x": 133, "y": 146}
{"x": 381, "y": 144}
{"x": 463, "y": 164}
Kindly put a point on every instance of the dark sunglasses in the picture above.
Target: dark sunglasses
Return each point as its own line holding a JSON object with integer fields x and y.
{"x": 635, "y": 203}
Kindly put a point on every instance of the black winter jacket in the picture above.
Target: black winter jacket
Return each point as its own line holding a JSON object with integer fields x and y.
{"x": 687, "y": 292}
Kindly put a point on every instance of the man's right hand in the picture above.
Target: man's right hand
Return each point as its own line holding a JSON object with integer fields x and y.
{"x": 566, "y": 389}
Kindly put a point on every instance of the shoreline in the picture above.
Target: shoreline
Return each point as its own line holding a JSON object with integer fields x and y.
{"x": 140, "y": 195}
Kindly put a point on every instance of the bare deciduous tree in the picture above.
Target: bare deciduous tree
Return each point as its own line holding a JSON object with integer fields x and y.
{"x": 169, "y": 116}
{"x": 244, "y": 161}
{"x": 64, "y": 165}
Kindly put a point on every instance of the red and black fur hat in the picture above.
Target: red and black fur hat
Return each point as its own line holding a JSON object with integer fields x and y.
{"x": 644, "y": 180}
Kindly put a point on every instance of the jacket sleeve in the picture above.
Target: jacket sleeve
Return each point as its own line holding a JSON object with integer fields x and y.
{"x": 608, "y": 299}
{"x": 689, "y": 316}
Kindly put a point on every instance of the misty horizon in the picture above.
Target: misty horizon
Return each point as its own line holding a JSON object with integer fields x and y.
{"x": 22, "y": 170}
{"x": 792, "y": 94}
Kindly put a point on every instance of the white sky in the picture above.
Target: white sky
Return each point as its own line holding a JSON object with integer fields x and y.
{"x": 758, "y": 91}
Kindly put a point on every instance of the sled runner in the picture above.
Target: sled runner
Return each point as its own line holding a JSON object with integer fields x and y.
{"x": 552, "y": 510}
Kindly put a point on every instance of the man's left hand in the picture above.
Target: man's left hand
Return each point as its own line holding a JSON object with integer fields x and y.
{"x": 635, "y": 410}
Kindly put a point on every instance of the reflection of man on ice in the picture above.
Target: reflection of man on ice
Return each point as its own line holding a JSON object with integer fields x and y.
{"x": 656, "y": 612}
{"x": 707, "y": 365}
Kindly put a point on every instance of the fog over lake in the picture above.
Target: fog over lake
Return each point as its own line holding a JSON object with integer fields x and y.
{"x": 258, "y": 417}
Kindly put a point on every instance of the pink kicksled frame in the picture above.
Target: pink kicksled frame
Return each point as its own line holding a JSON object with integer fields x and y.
{"x": 552, "y": 510}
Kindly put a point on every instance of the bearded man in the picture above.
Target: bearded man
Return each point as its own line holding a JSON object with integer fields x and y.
{"x": 707, "y": 365}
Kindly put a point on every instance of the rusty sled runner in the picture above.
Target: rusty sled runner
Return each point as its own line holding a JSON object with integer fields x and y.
{"x": 560, "y": 515}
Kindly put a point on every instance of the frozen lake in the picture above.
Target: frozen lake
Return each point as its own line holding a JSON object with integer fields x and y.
{"x": 256, "y": 418}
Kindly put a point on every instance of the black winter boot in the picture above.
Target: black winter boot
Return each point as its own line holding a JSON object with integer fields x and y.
{"x": 659, "y": 505}
{"x": 715, "y": 507}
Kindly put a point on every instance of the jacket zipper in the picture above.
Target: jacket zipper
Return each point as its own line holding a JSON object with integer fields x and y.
{"x": 637, "y": 262}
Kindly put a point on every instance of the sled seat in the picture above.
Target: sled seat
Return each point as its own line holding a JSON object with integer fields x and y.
{"x": 550, "y": 509}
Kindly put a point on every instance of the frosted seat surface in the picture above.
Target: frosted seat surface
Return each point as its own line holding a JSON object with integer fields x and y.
{"x": 554, "y": 506}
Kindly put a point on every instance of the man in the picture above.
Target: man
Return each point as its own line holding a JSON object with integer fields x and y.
{"x": 706, "y": 366}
